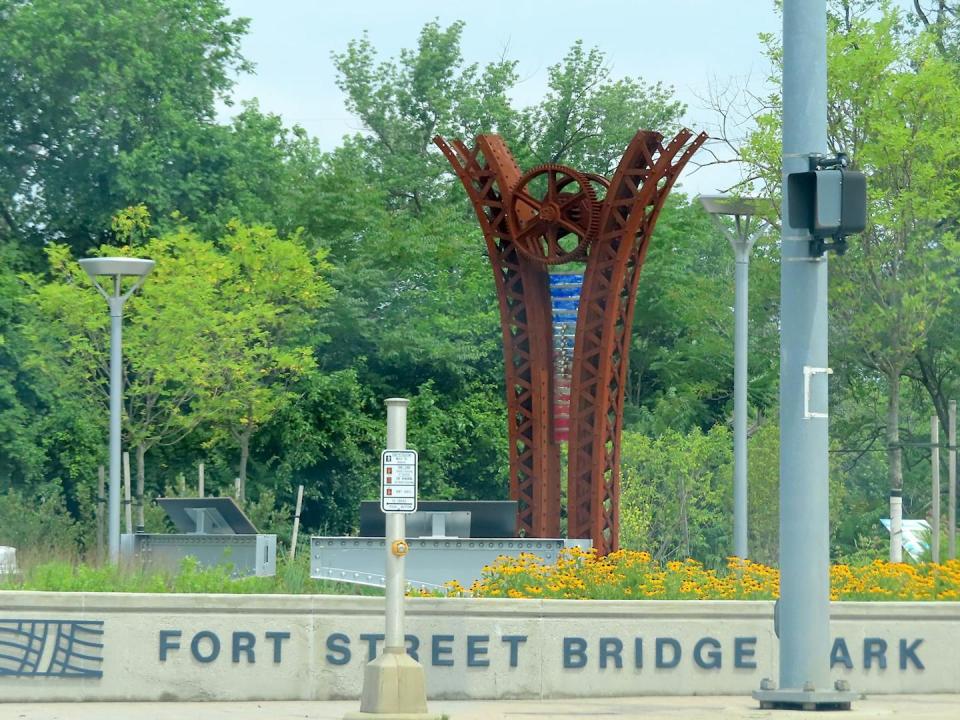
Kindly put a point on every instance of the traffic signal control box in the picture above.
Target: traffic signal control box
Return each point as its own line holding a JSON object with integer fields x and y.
{"x": 829, "y": 203}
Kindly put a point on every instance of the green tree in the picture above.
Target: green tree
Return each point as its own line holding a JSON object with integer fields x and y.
{"x": 937, "y": 366}
{"x": 587, "y": 117}
{"x": 404, "y": 103}
{"x": 329, "y": 440}
{"x": 462, "y": 443}
{"x": 941, "y": 19}
{"x": 22, "y": 456}
{"x": 416, "y": 316}
{"x": 253, "y": 169}
{"x": 208, "y": 340}
{"x": 899, "y": 99}
{"x": 37, "y": 521}
{"x": 893, "y": 97}
{"x": 167, "y": 340}
{"x": 417, "y": 301}
{"x": 266, "y": 303}
{"x": 585, "y": 120}
{"x": 97, "y": 116}
{"x": 88, "y": 91}
{"x": 681, "y": 357}
{"x": 46, "y": 434}
{"x": 675, "y": 497}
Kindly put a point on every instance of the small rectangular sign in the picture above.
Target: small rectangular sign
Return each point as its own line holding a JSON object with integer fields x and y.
{"x": 398, "y": 481}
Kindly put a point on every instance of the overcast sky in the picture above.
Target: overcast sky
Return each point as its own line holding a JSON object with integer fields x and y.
{"x": 693, "y": 45}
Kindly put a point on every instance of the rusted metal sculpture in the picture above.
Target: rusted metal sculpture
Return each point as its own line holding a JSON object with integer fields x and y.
{"x": 532, "y": 221}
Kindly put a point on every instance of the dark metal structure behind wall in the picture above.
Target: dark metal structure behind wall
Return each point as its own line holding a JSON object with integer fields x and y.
{"x": 532, "y": 221}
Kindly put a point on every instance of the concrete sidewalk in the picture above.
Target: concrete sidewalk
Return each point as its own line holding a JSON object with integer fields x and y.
{"x": 912, "y": 707}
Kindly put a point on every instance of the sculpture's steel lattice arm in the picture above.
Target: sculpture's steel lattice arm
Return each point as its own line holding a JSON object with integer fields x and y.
{"x": 548, "y": 216}
{"x": 487, "y": 172}
{"x": 637, "y": 193}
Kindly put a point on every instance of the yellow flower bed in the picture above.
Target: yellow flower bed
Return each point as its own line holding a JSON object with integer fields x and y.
{"x": 628, "y": 575}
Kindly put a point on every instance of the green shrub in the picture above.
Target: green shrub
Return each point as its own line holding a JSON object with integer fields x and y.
{"x": 69, "y": 576}
{"x": 38, "y": 524}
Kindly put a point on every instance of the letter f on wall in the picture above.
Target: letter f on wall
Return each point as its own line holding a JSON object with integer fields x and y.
{"x": 169, "y": 640}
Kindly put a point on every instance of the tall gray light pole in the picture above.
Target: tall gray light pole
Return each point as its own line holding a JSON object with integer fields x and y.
{"x": 743, "y": 211}
{"x": 116, "y": 268}
{"x": 803, "y": 617}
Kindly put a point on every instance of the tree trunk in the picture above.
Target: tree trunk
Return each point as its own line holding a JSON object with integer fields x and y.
{"x": 933, "y": 385}
{"x": 895, "y": 465}
{"x": 141, "y": 452}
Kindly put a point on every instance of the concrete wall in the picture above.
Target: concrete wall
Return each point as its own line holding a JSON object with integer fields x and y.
{"x": 100, "y": 646}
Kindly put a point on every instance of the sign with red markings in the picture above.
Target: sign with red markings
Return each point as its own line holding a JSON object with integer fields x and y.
{"x": 398, "y": 481}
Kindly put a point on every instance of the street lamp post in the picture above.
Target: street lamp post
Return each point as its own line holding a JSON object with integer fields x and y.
{"x": 743, "y": 210}
{"x": 116, "y": 268}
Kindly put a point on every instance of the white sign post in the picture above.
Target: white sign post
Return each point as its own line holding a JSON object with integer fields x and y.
{"x": 394, "y": 685}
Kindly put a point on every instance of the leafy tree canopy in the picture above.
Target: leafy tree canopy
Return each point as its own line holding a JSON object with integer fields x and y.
{"x": 90, "y": 86}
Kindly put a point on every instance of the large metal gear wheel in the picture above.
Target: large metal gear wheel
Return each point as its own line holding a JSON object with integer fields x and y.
{"x": 568, "y": 206}
{"x": 598, "y": 180}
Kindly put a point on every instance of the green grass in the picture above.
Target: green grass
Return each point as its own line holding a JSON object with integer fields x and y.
{"x": 60, "y": 575}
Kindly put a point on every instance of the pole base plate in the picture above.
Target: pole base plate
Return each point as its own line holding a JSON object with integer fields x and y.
{"x": 795, "y": 699}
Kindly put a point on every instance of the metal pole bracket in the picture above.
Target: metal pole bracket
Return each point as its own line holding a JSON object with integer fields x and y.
{"x": 808, "y": 373}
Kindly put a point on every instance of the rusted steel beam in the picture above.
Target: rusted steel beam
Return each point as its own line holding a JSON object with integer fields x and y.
{"x": 637, "y": 192}
{"x": 487, "y": 173}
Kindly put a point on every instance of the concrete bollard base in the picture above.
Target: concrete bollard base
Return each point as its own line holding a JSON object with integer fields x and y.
{"x": 394, "y": 688}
